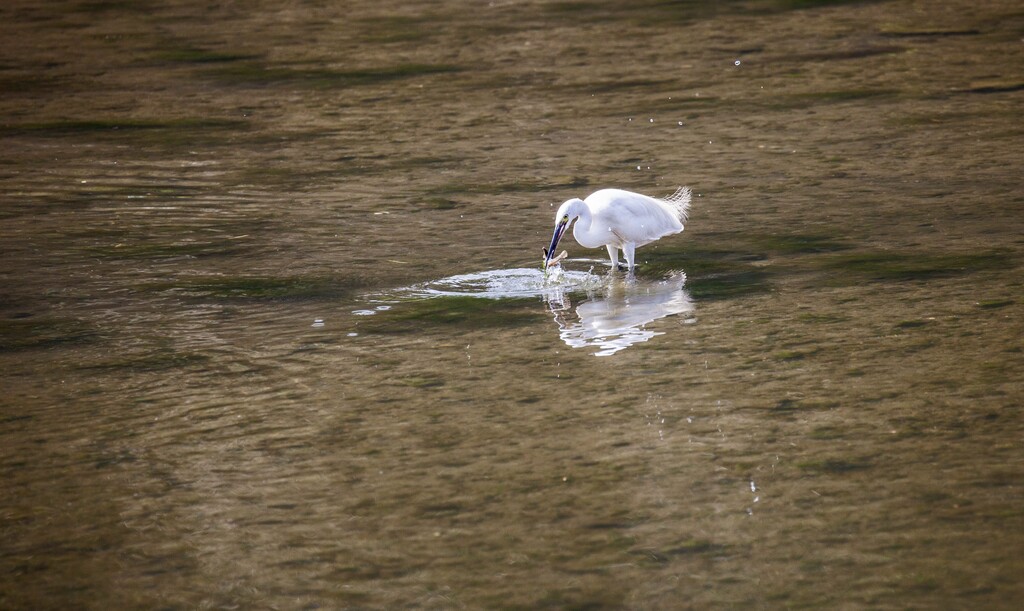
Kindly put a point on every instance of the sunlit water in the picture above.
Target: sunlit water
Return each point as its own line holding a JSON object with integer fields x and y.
{"x": 274, "y": 334}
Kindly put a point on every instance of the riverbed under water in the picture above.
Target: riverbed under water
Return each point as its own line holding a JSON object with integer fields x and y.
{"x": 274, "y": 334}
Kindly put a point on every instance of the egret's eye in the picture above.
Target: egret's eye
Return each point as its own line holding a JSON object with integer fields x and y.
{"x": 565, "y": 219}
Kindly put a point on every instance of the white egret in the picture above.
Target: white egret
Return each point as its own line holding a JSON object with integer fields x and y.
{"x": 616, "y": 219}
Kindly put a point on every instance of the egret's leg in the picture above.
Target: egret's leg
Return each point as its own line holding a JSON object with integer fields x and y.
{"x": 613, "y": 253}
{"x": 630, "y": 251}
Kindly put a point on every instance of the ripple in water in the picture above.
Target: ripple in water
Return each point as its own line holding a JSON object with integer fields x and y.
{"x": 610, "y": 312}
{"x": 617, "y": 319}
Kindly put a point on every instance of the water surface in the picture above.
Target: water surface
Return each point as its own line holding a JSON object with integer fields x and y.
{"x": 273, "y": 331}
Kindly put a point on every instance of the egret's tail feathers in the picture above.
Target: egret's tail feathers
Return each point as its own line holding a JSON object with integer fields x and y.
{"x": 680, "y": 202}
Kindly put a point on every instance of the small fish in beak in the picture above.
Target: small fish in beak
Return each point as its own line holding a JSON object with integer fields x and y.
{"x": 559, "y": 230}
{"x": 562, "y": 255}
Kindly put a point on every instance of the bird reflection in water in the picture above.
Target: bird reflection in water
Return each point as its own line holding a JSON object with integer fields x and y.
{"x": 616, "y": 319}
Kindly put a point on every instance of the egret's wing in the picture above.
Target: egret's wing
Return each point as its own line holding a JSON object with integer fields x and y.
{"x": 635, "y": 218}
{"x": 643, "y": 219}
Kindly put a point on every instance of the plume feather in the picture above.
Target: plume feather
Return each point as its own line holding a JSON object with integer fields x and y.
{"x": 679, "y": 202}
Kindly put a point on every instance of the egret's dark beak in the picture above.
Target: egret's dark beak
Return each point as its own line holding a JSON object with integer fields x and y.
{"x": 550, "y": 252}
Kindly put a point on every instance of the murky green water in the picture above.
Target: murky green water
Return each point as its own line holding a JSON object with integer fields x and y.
{"x": 272, "y": 331}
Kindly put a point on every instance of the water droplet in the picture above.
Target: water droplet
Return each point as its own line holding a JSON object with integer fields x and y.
{"x": 363, "y": 312}
{"x": 737, "y": 62}
{"x": 353, "y": 334}
{"x": 383, "y": 308}
{"x": 318, "y": 322}
{"x": 651, "y": 120}
{"x": 680, "y": 122}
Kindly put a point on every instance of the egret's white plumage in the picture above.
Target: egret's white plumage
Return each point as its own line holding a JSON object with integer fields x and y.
{"x": 618, "y": 219}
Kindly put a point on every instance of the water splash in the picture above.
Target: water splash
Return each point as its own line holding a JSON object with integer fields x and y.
{"x": 509, "y": 284}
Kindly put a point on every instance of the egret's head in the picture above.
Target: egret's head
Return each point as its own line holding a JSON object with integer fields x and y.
{"x": 570, "y": 208}
{"x": 567, "y": 213}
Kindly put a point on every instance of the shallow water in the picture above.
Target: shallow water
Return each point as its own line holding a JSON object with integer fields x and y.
{"x": 273, "y": 330}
